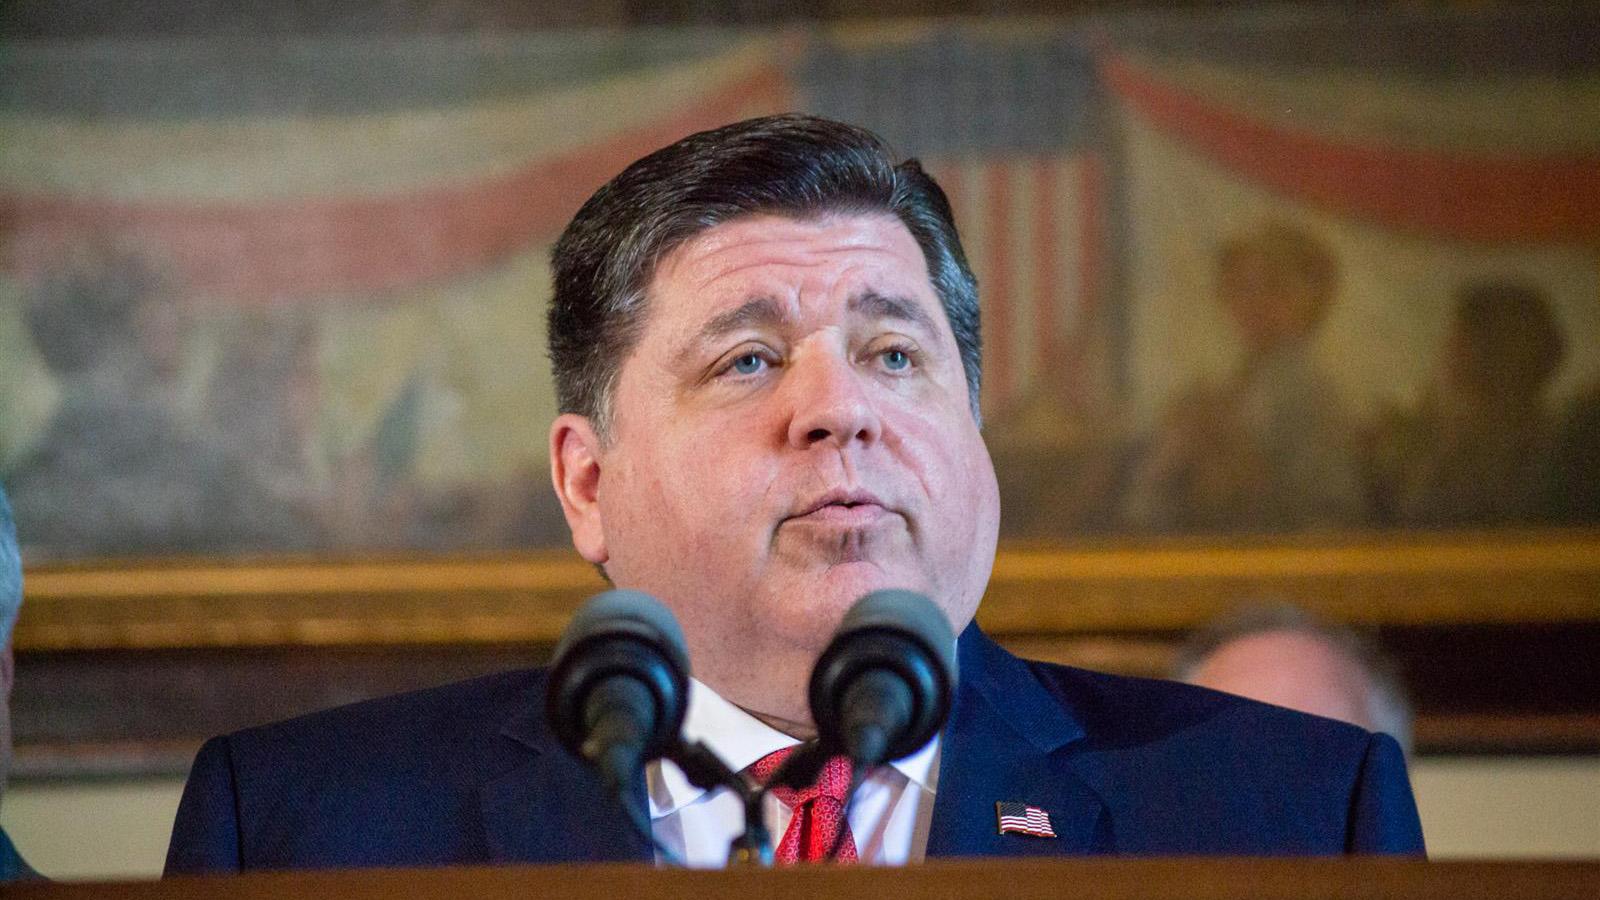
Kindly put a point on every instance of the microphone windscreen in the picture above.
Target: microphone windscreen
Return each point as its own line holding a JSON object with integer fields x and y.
{"x": 890, "y": 668}
{"x": 618, "y": 643}
{"x": 629, "y": 612}
{"x": 908, "y": 612}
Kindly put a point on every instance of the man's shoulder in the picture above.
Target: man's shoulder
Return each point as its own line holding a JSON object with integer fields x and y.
{"x": 393, "y": 781}
{"x": 396, "y": 732}
{"x": 1179, "y": 769}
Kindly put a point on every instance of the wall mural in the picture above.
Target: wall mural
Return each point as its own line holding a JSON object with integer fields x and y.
{"x": 1277, "y": 274}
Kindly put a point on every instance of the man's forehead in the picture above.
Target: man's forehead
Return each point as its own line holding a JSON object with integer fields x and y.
{"x": 772, "y": 269}
{"x": 753, "y": 243}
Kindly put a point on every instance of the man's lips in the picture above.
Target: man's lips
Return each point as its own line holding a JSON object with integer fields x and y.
{"x": 842, "y": 509}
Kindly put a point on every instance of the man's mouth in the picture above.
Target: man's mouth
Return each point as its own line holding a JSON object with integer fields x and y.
{"x": 842, "y": 509}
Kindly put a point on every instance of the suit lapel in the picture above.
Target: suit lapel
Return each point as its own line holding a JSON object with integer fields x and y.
{"x": 1009, "y": 739}
{"x": 549, "y": 807}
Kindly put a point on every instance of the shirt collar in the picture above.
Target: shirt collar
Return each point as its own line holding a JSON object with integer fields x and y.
{"x": 740, "y": 739}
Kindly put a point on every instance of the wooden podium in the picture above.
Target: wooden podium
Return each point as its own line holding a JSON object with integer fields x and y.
{"x": 1125, "y": 879}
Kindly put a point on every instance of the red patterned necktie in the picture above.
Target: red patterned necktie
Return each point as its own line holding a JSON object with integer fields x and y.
{"x": 818, "y": 812}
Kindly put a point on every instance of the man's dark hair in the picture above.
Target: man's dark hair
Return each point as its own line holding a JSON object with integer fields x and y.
{"x": 792, "y": 165}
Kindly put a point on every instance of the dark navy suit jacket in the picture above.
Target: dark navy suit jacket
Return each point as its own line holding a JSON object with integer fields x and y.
{"x": 469, "y": 773}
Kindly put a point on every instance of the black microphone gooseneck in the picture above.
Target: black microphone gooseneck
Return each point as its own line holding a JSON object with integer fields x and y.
{"x": 618, "y": 691}
{"x": 705, "y": 769}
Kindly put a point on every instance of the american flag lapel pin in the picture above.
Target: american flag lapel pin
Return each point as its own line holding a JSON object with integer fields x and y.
{"x": 1020, "y": 818}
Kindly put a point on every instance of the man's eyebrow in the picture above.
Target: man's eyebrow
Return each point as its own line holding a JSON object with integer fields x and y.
{"x": 883, "y": 306}
{"x": 766, "y": 311}
{"x": 759, "y": 311}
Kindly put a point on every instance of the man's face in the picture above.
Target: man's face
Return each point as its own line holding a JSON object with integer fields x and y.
{"x": 790, "y": 431}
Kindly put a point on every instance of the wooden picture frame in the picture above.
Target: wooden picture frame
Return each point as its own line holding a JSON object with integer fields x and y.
{"x": 1059, "y": 590}
{"x": 123, "y": 668}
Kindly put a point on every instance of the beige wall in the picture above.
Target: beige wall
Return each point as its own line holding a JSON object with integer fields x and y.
{"x": 1471, "y": 807}
{"x": 1540, "y": 807}
{"x": 93, "y": 829}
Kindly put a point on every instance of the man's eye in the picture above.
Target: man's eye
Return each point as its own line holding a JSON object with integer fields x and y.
{"x": 748, "y": 364}
{"x": 896, "y": 360}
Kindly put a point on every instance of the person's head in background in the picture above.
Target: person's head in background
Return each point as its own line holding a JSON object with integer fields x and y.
{"x": 10, "y": 605}
{"x": 1277, "y": 283}
{"x": 102, "y": 317}
{"x": 1504, "y": 344}
{"x": 1278, "y": 653}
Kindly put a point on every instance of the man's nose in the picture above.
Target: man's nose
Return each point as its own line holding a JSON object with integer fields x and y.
{"x": 832, "y": 403}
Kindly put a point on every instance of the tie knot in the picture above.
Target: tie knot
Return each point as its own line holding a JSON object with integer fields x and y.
{"x": 833, "y": 782}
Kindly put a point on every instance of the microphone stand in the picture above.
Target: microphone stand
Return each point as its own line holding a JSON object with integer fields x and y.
{"x": 707, "y": 771}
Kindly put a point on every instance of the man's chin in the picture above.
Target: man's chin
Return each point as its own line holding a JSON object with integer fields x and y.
{"x": 844, "y": 583}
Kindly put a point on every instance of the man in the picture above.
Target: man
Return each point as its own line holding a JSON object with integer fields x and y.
{"x": 12, "y": 865}
{"x": 1278, "y": 653}
{"x": 765, "y": 342}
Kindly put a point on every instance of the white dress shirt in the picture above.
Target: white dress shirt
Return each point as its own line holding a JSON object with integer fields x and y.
{"x": 888, "y": 817}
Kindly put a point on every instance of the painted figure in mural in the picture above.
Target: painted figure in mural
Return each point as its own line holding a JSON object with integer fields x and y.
{"x": 1271, "y": 448}
{"x": 1479, "y": 449}
{"x": 266, "y": 403}
{"x": 262, "y": 401}
{"x": 119, "y": 466}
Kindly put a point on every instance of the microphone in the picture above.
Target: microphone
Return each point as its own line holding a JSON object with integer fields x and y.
{"x": 882, "y": 687}
{"x": 619, "y": 685}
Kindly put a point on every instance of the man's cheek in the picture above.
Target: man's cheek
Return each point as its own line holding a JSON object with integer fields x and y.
{"x": 942, "y": 462}
{"x": 696, "y": 520}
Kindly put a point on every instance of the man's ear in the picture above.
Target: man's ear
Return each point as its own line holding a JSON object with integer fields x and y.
{"x": 575, "y": 472}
